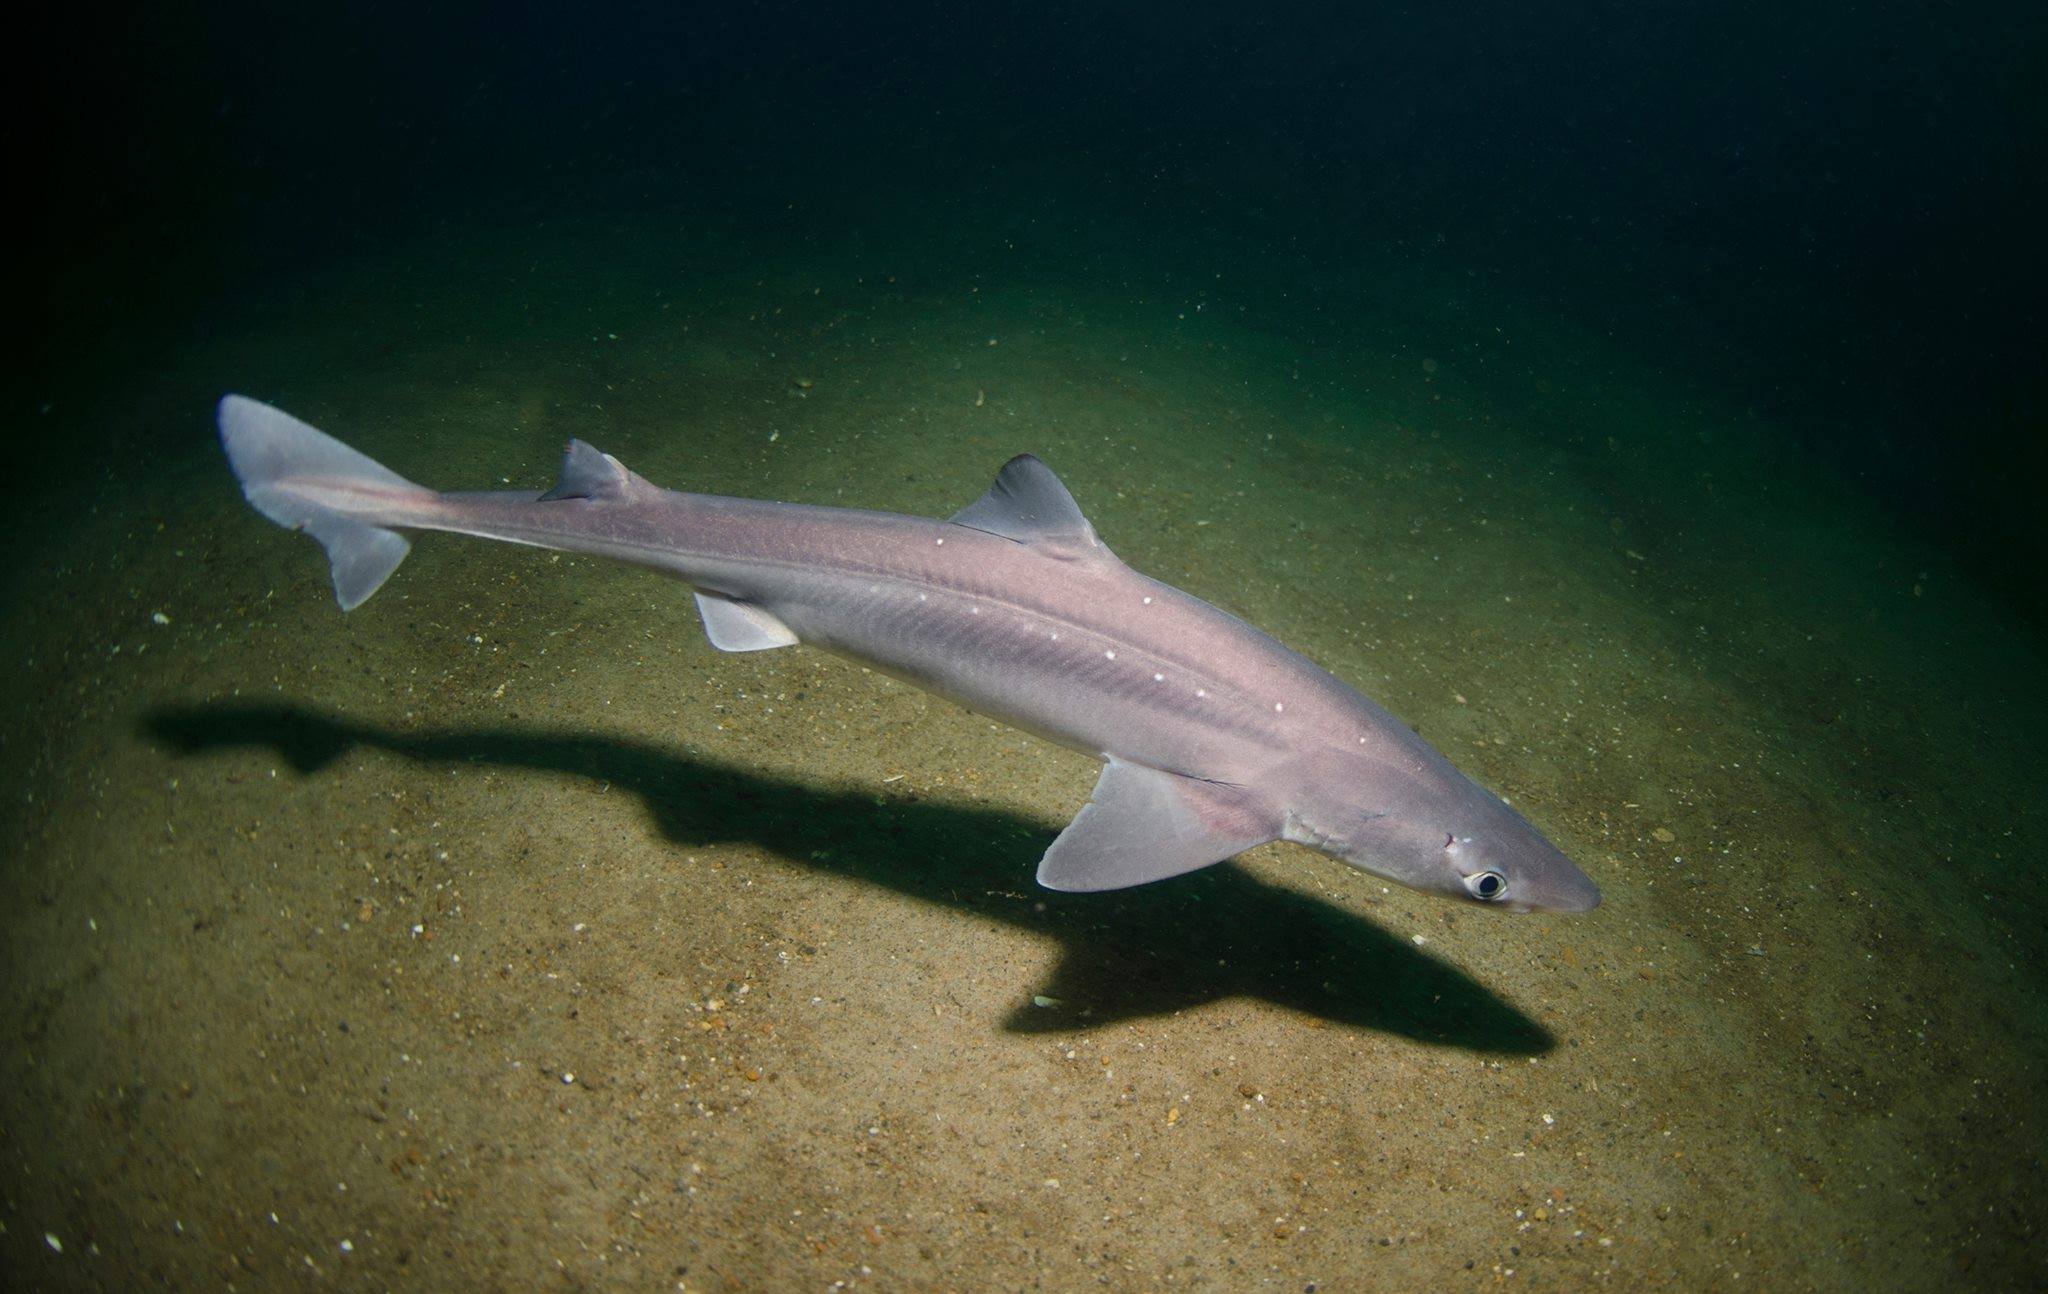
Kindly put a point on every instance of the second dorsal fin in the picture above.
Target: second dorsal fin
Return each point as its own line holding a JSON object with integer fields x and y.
{"x": 1028, "y": 504}
{"x": 590, "y": 473}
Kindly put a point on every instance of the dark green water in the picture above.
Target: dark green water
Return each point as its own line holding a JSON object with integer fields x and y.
{"x": 1643, "y": 406}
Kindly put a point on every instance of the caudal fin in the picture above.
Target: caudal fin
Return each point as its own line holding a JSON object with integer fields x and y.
{"x": 268, "y": 448}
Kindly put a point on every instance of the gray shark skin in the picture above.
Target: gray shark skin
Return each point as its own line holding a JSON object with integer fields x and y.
{"x": 1215, "y": 738}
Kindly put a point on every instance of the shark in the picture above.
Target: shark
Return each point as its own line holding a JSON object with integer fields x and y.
{"x": 1214, "y": 737}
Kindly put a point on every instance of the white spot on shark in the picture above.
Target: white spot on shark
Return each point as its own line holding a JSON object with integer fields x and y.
{"x": 1109, "y": 655}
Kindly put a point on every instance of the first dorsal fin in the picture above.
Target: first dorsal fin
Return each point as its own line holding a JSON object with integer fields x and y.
{"x": 1027, "y": 503}
{"x": 590, "y": 473}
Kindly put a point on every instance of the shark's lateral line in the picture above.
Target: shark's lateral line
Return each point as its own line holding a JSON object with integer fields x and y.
{"x": 1215, "y": 737}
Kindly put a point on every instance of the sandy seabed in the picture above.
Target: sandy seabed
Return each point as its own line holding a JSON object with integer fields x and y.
{"x": 501, "y": 934}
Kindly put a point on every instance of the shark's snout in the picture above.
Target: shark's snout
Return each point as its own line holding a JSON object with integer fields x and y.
{"x": 1573, "y": 891}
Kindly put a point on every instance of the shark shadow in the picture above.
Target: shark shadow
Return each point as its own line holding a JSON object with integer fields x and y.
{"x": 1125, "y": 954}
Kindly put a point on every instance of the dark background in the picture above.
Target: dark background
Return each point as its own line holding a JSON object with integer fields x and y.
{"x": 1829, "y": 214}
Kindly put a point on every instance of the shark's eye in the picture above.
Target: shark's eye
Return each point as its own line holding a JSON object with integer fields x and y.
{"x": 1486, "y": 886}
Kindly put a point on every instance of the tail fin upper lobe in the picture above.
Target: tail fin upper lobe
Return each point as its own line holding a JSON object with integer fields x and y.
{"x": 269, "y": 448}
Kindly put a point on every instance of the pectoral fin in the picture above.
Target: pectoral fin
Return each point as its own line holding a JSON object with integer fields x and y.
{"x": 1145, "y": 825}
